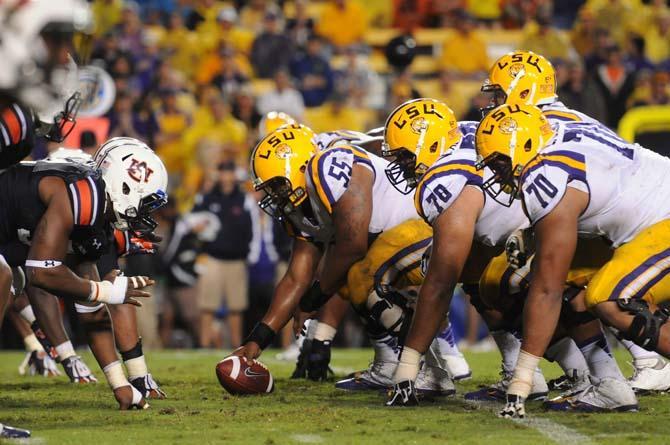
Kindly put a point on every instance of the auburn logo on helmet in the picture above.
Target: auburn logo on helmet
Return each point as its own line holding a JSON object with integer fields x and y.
{"x": 139, "y": 170}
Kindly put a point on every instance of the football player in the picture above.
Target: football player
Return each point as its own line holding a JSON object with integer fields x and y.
{"x": 581, "y": 178}
{"x": 327, "y": 197}
{"x": 523, "y": 77}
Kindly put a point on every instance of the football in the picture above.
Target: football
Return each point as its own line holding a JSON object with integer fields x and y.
{"x": 239, "y": 376}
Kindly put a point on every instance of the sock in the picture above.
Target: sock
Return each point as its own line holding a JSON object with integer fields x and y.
{"x": 568, "y": 356}
{"x": 408, "y": 367}
{"x": 27, "y": 314}
{"x": 386, "y": 348}
{"x": 509, "y": 346}
{"x": 447, "y": 342}
{"x": 134, "y": 360}
{"x": 32, "y": 343}
{"x": 311, "y": 328}
{"x": 65, "y": 350}
{"x": 638, "y": 352}
{"x": 599, "y": 358}
{"x": 324, "y": 332}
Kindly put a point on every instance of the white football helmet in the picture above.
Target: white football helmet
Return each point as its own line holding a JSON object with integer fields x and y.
{"x": 70, "y": 155}
{"x": 33, "y": 35}
{"x": 136, "y": 182}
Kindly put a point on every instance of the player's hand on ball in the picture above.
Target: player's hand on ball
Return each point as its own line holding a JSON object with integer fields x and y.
{"x": 77, "y": 371}
{"x": 514, "y": 408}
{"x": 250, "y": 351}
{"x": 402, "y": 394}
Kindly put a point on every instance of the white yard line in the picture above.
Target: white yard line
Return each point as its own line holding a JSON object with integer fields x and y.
{"x": 307, "y": 438}
{"x": 555, "y": 432}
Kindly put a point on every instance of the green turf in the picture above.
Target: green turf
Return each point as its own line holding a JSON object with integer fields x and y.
{"x": 198, "y": 410}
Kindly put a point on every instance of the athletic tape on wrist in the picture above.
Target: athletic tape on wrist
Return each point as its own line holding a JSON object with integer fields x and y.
{"x": 110, "y": 293}
{"x": 115, "y": 375}
{"x": 522, "y": 381}
{"x": 82, "y": 309}
{"x": 408, "y": 365}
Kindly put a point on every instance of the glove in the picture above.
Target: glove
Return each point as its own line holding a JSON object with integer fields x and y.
{"x": 403, "y": 394}
{"x": 148, "y": 387}
{"x": 38, "y": 363}
{"x": 514, "y": 408}
{"x": 131, "y": 243}
{"x": 519, "y": 248}
{"x": 300, "y": 371}
{"x": 318, "y": 360}
{"x": 77, "y": 371}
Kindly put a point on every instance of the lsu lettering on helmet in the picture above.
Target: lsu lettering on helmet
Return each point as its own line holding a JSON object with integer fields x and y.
{"x": 507, "y": 139}
{"x": 37, "y": 68}
{"x": 521, "y": 77}
{"x": 278, "y": 165}
{"x": 135, "y": 181}
{"x": 273, "y": 120}
{"x": 416, "y": 134}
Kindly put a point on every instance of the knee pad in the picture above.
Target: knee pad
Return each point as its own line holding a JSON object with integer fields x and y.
{"x": 645, "y": 328}
{"x": 386, "y": 312}
{"x": 571, "y": 316}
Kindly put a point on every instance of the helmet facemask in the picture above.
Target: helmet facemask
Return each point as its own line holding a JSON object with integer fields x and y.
{"x": 503, "y": 185}
{"x": 63, "y": 122}
{"x": 402, "y": 171}
{"x": 497, "y": 97}
{"x": 139, "y": 219}
{"x": 280, "y": 199}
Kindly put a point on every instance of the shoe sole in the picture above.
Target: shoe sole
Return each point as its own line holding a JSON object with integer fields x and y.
{"x": 462, "y": 377}
{"x": 592, "y": 409}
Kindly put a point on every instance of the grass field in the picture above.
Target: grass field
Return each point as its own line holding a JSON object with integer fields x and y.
{"x": 198, "y": 411}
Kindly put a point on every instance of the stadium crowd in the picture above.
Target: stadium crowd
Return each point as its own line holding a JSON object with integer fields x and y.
{"x": 195, "y": 78}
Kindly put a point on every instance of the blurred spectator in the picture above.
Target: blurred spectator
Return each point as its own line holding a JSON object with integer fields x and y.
{"x": 543, "y": 38}
{"x": 252, "y": 13}
{"x": 336, "y": 115}
{"x": 618, "y": 16}
{"x": 271, "y": 50}
{"x": 584, "y": 34}
{"x": 616, "y": 84}
{"x": 518, "y": 13}
{"x": 450, "y": 95}
{"x": 477, "y": 103}
{"x": 464, "y": 52}
{"x": 635, "y": 54}
{"x": 230, "y": 76}
{"x": 357, "y": 82}
{"x": 598, "y": 56}
{"x": 283, "y": 98}
{"x": 224, "y": 270}
{"x": 401, "y": 90}
{"x": 485, "y": 11}
{"x": 136, "y": 122}
{"x": 108, "y": 49}
{"x": 446, "y": 13}
{"x": 657, "y": 39}
{"x": 106, "y": 15}
{"x": 342, "y": 23}
{"x": 244, "y": 109}
{"x": 172, "y": 123}
{"x": 411, "y": 14}
{"x": 657, "y": 93}
{"x": 565, "y": 12}
{"x": 233, "y": 35}
{"x": 301, "y": 26}
{"x": 579, "y": 92}
{"x": 313, "y": 74}
{"x": 131, "y": 30}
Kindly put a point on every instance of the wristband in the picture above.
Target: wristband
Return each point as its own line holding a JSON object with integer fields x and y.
{"x": 109, "y": 293}
{"x": 262, "y": 335}
{"x": 314, "y": 298}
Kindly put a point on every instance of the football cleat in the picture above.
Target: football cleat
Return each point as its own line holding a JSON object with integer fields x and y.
{"x": 650, "y": 375}
{"x": 318, "y": 360}
{"x": 148, "y": 387}
{"x": 300, "y": 371}
{"x": 457, "y": 367}
{"x": 514, "y": 408}
{"x": 403, "y": 394}
{"x": 77, "y": 370}
{"x": 8, "y": 432}
{"x": 434, "y": 381}
{"x": 570, "y": 383}
{"x": 497, "y": 392}
{"x": 379, "y": 376}
{"x": 604, "y": 395}
{"x": 38, "y": 363}
{"x": 289, "y": 354}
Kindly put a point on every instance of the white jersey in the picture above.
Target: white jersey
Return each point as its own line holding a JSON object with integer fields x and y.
{"x": 628, "y": 185}
{"x": 331, "y": 138}
{"x": 443, "y": 182}
{"x": 328, "y": 175}
{"x": 557, "y": 113}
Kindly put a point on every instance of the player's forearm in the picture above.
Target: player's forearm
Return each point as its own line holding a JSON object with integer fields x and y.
{"x": 540, "y": 318}
{"x": 284, "y": 302}
{"x": 60, "y": 281}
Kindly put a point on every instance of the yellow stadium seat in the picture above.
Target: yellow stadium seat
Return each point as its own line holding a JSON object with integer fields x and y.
{"x": 261, "y": 86}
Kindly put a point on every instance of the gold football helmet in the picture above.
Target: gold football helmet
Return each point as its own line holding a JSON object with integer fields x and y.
{"x": 278, "y": 166}
{"x": 507, "y": 139}
{"x": 273, "y": 120}
{"x": 416, "y": 134}
{"x": 521, "y": 77}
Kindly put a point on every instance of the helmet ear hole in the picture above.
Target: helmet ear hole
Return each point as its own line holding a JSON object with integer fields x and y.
{"x": 126, "y": 188}
{"x": 433, "y": 148}
{"x": 528, "y": 145}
